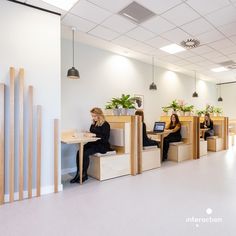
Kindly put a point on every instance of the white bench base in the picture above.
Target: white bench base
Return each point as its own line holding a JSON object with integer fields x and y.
{"x": 179, "y": 152}
{"x": 151, "y": 158}
{"x": 108, "y": 167}
{"x": 214, "y": 144}
{"x": 203, "y": 148}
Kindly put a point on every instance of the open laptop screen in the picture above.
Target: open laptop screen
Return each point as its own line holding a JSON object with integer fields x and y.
{"x": 159, "y": 126}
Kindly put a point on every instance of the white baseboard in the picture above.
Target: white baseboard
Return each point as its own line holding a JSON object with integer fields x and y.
{"x": 68, "y": 170}
{"x": 44, "y": 190}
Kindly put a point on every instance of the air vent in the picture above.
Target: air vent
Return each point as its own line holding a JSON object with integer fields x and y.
{"x": 136, "y": 13}
{"x": 231, "y": 65}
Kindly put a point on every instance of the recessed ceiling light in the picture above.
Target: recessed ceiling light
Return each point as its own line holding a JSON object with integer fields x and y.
{"x": 62, "y": 4}
{"x": 219, "y": 69}
{"x": 172, "y": 48}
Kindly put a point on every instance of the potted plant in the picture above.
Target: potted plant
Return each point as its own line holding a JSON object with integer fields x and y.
{"x": 109, "y": 108}
{"x": 218, "y": 111}
{"x": 165, "y": 111}
{"x": 188, "y": 110}
{"x": 200, "y": 112}
{"x": 174, "y": 106}
{"x": 209, "y": 109}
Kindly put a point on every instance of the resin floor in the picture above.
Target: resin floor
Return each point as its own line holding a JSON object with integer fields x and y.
{"x": 190, "y": 198}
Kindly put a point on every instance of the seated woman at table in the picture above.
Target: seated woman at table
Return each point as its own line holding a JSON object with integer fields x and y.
{"x": 207, "y": 124}
{"x": 99, "y": 128}
{"x": 174, "y": 128}
{"x": 146, "y": 141}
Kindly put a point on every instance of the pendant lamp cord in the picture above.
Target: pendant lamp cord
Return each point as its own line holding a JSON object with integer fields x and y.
{"x": 73, "y": 36}
{"x": 153, "y": 69}
{"x": 195, "y": 82}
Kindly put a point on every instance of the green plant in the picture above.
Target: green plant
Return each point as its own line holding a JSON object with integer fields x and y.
{"x": 125, "y": 101}
{"x": 209, "y": 109}
{"x": 187, "y": 108}
{"x": 218, "y": 110}
{"x": 165, "y": 109}
{"x": 200, "y": 112}
{"x": 174, "y": 105}
{"x": 109, "y": 105}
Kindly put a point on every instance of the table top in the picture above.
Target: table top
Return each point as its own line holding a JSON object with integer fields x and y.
{"x": 79, "y": 138}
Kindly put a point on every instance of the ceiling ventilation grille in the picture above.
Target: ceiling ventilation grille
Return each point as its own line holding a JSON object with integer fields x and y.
{"x": 137, "y": 13}
{"x": 231, "y": 65}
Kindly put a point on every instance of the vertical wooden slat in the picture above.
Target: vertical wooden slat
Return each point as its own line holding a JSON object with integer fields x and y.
{"x": 133, "y": 146}
{"x": 21, "y": 133}
{"x": 39, "y": 128}
{"x": 56, "y": 140}
{"x": 12, "y": 130}
{"x": 2, "y": 143}
{"x": 30, "y": 139}
{"x": 140, "y": 145}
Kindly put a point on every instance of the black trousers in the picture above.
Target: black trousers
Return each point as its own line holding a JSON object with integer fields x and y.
{"x": 89, "y": 149}
{"x": 207, "y": 134}
{"x": 166, "y": 143}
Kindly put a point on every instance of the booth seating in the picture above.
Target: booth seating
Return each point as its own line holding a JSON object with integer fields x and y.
{"x": 215, "y": 143}
{"x": 202, "y": 147}
{"x": 181, "y": 151}
{"x": 151, "y": 158}
{"x": 232, "y": 139}
{"x": 115, "y": 163}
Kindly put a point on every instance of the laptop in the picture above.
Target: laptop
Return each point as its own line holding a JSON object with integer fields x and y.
{"x": 159, "y": 127}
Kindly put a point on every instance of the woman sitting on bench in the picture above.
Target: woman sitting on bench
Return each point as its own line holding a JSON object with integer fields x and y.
{"x": 207, "y": 124}
{"x": 146, "y": 141}
{"x": 99, "y": 128}
{"x": 174, "y": 136}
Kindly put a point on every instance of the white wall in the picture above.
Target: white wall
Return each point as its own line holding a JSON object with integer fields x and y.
{"x": 229, "y": 97}
{"x": 105, "y": 75}
{"x": 30, "y": 38}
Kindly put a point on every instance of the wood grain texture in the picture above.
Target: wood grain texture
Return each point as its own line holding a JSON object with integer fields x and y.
{"x": 56, "y": 144}
{"x": 30, "y": 140}
{"x": 2, "y": 143}
{"x": 140, "y": 145}
{"x": 39, "y": 144}
{"x": 11, "y": 135}
{"x": 133, "y": 146}
{"x": 21, "y": 133}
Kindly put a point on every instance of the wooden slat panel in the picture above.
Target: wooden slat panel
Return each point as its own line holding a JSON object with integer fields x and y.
{"x": 30, "y": 139}
{"x": 56, "y": 140}
{"x": 21, "y": 133}
{"x": 140, "y": 145}
{"x": 133, "y": 146}
{"x": 2, "y": 143}
{"x": 39, "y": 131}
{"x": 12, "y": 130}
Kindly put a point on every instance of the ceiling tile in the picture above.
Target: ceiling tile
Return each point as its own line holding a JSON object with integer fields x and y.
{"x": 141, "y": 47}
{"x": 210, "y": 36}
{"x": 159, "y": 6}
{"x": 113, "y": 6}
{"x": 232, "y": 57}
{"x": 141, "y": 34}
{"x": 223, "y": 16}
{"x": 212, "y": 55}
{"x": 181, "y": 14}
{"x": 103, "y": 33}
{"x": 186, "y": 54}
{"x": 118, "y": 24}
{"x": 229, "y": 29}
{"x": 79, "y": 23}
{"x": 221, "y": 44}
{"x": 196, "y": 27}
{"x": 176, "y": 35}
{"x": 204, "y": 7}
{"x": 158, "y": 25}
{"x": 125, "y": 41}
{"x": 171, "y": 59}
{"x": 202, "y": 49}
{"x": 90, "y": 11}
{"x": 219, "y": 59}
{"x": 182, "y": 63}
{"x": 233, "y": 39}
{"x": 196, "y": 59}
{"x": 158, "y": 42}
{"x": 228, "y": 51}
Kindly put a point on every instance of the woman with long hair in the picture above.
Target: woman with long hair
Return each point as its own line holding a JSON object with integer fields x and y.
{"x": 174, "y": 128}
{"x": 208, "y": 124}
{"x": 99, "y": 128}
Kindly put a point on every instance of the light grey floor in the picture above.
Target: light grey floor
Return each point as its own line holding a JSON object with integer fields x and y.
{"x": 158, "y": 202}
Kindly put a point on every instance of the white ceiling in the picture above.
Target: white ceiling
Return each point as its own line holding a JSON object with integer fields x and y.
{"x": 213, "y": 22}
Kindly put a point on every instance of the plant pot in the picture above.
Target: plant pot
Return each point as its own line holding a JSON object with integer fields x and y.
{"x": 109, "y": 112}
{"x": 123, "y": 111}
{"x": 165, "y": 113}
{"x": 181, "y": 113}
{"x": 187, "y": 113}
{"x": 116, "y": 112}
{"x": 131, "y": 112}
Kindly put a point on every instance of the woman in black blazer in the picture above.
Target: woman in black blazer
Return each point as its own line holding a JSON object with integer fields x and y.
{"x": 208, "y": 124}
{"x": 99, "y": 128}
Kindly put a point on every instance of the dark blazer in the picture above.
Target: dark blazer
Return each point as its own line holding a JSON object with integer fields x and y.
{"x": 147, "y": 141}
{"x": 102, "y": 132}
{"x": 210, "y": 127}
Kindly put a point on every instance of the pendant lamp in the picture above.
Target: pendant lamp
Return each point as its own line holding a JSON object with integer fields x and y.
{"x": 195, "y": 94}
{"x": 73, "y": 73}
{"x": 220, "y": 99}
{"x": 153, "y": 86}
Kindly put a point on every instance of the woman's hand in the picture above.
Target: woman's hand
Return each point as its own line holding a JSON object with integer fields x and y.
{"x": 89, "y": 135}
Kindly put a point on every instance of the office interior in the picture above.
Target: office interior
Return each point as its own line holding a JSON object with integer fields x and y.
{"x": 166, "y": 57}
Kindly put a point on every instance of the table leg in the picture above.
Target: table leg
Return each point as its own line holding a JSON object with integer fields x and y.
{"x": 81, "y": 155}
{"x": 161, "y": 139}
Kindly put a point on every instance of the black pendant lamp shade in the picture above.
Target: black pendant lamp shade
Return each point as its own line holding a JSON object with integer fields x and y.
{"x": 73, "y": 73}
{"x": 152, "y": 86}
{"x": 220, "y": 99}
{"x": 195, "y": 94}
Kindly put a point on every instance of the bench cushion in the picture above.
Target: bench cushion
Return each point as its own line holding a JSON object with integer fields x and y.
{"x": 109, "y": 153}
{"x": 176, "y": 143}
{"x": 212, "y": 137}
{"x": 149, "y": 147}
